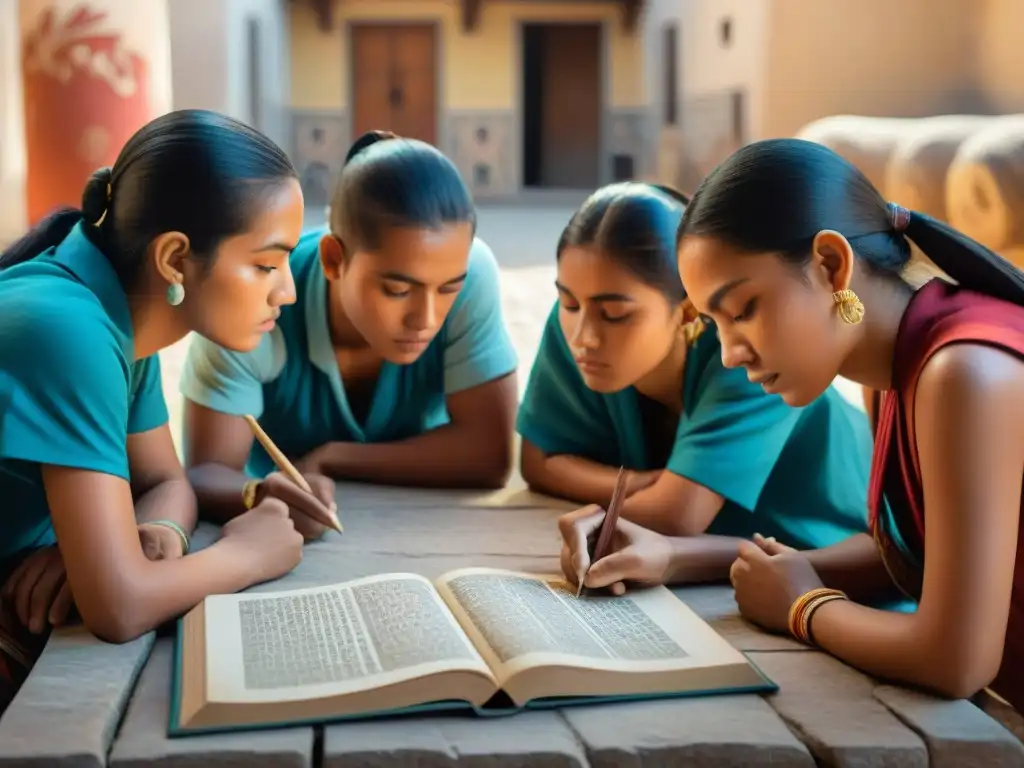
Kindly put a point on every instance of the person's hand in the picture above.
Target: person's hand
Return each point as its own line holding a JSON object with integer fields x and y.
{"x": 37, "y": 590}
{"x": 266, "y": 537}
{"x": 278, "y": 485}
{"x": 160, "y": 542}
{"x": 636, "y": 554}
{"x": 772, "y": 546}
{"x": 767, "y": 584}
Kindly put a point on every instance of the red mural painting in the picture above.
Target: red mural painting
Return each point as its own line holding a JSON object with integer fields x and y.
{"x": 85, "y": 95}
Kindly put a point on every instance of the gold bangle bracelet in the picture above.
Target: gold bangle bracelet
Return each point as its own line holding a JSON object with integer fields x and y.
{"x": 801, "y": 608}
{"x": 249, "y": 493}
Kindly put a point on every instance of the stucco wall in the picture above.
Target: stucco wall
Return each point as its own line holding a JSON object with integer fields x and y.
{"x": 799, "y": 60}
{"x": 722, "y": 79}
{"x": 1000, "y": 54}
{"x": 870, "y": 57}
{"x": 479, "y": 88}
{"x": 479, "y": 70}
{"x": 197, "y": 52}
{"x": 12, "y": 127}
{"x": 210, "y": 60}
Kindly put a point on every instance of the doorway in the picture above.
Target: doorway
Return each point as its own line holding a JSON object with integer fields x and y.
{"x": 562, "y": 100}
{"x": 394, "y": 80}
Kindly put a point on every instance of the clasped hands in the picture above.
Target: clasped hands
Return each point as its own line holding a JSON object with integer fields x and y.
{"x": 37, "y": 589}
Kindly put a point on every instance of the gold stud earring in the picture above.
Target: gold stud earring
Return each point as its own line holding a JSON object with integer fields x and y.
{"x": 692, "y": 330}
{"x": 851, "y": 310}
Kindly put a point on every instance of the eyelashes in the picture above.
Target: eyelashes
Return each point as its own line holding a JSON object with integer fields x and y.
{"x": 604, "y": 316}
{"x": 748, "y": 311}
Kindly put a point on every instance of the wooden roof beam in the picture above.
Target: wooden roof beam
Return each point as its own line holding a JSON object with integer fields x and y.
{"x": 324, "y": 10}
{"x": 470, "y": 12}
{"x": 631, "y": 10}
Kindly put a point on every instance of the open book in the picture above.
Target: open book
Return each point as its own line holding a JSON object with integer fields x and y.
{"x": 488, "y": 640}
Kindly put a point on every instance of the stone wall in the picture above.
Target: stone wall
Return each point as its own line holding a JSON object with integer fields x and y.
{"x": 627, "y": 145}
{"x": 483, "y": 145}
{"x": 320, "y": 141}
{"x": 712, "y": 129}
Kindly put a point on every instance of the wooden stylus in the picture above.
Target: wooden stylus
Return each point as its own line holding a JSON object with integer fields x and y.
{"x": 607, "y": 529}
{"x": 289, "y": 470}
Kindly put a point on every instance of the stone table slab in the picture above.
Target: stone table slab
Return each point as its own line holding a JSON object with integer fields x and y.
{"x": 716, "y": 604}
{"x": 831, "y": 707}
{"x": 957, "y": 733}
{"x": 539, "y": 739}
{"x": 712, "y": 732}
{"x": 143, "y": 741}
{"x": 824, "y": 714}
{"x": 66, "y": 714}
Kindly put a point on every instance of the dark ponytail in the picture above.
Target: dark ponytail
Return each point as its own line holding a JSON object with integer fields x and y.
{"x": 389, "y": 181}
{"x": 192, "y": 171}
{"x": 633, "y": 223}
{"x": 51, "y": 231}
{"x": 48, "y": 233}
{"x": 965, "y": 260}
{"x": 775, "y": 196}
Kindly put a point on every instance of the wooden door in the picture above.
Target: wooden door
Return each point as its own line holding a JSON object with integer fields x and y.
{"x": 571, "y": 106}
{"x": 394, "y": 77}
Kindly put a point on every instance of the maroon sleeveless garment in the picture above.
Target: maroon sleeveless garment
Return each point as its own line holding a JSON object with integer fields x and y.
{"x": 939, "y": 314}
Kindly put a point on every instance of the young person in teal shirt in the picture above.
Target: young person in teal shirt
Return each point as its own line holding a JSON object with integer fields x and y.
{"x": 394, "y": 365}
{"x": 182, "y": 234}
{"x": 624, "y": 376}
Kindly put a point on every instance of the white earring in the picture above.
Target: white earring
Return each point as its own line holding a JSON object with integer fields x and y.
{"x": 175, "y": 294}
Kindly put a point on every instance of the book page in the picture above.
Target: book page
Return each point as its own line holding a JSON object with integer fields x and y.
{"x": 521, "y": 620}
{"x": 327, "y": 641}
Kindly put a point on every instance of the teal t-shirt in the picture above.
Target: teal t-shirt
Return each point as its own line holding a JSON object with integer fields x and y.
{"x": 71, "y": 390}
{"x": 292, "y": 385}
{"x": 800, "y": 474}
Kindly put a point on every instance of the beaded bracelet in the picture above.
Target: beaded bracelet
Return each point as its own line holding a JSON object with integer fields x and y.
{"x": 803, "y": 608}
{"x": 174, "y": 527}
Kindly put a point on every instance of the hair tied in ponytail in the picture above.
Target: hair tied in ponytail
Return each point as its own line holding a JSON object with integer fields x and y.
{"x": 368, "y": 139}
{"x": 899, "y": 216}
{"x": 96, "y": 197}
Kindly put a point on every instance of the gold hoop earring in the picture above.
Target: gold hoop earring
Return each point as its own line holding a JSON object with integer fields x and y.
{"x": 851, "y": 310}
{"x": 692, "y": 331}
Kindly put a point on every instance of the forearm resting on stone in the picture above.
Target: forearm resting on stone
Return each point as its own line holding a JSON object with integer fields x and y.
{"x": 570, "y": 477}
{"x": 451, "y": 456}
{"x": 855, "y": 567}
{"x": 701, "y": 558}
{"x": 172, "y": 500}
{"x": 218, "y": 489}
{"x": 158, "y": 591}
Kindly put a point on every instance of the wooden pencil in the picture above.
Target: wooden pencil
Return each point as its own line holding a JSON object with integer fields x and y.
{"x": 282, "y": 463}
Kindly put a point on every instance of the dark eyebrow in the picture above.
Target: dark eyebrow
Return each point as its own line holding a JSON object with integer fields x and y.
{"x": 598, "y": 296}
{"x": 716, "y": 298}
{"x": 276, "y": 247}
{"x": 402, "y": 278}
